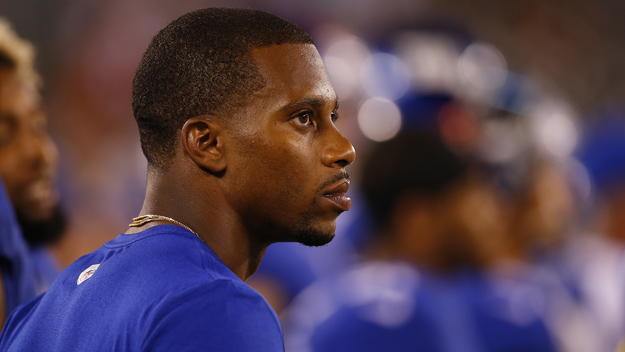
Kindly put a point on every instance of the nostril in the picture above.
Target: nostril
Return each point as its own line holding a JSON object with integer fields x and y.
{"x": 342, "y": 162}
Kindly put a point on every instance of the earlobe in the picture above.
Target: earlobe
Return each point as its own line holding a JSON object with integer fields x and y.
{"x": 203, "y": 142}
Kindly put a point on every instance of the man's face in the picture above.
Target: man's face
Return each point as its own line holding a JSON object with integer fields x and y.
{"x": 288, "y": 158}
{"x": 28, "y": 156}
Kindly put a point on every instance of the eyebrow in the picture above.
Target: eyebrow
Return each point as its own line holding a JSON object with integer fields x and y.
{"x": 308, "y": 102}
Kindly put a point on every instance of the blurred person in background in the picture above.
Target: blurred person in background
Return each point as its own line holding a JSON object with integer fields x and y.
{"x": 538, "y": 224}
{"x": 595, "y": 260}
{"x": 564, "y": 247}
{"x": 28, "y": 156}
{"x": 23, "y": 167}
{"x": 543, "y": 211}
{"x": 423, "y": 284}
{"x": 17, "y": 275}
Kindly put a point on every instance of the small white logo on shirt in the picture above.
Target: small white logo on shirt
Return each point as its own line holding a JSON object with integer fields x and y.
{"x": 87, "y": 273}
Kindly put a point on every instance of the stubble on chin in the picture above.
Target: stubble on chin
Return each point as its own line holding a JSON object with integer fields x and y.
{"x": 309, "y": 233}
{"x": 313, "y": 238}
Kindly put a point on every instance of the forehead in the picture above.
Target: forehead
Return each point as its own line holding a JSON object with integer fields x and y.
{"x": 292, "y": 72}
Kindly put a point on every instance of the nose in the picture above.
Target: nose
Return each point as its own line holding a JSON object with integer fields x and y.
{"x": 50, "y": 153}
{"x": 338, "y": 151}
{"x": 41, "y": 151}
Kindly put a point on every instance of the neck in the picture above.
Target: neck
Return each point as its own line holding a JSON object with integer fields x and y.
{"x": 205, "y": 211}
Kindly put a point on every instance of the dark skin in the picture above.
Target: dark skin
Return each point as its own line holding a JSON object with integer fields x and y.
{"x": 28, "y": 156}
{"x": 271, "y": 171}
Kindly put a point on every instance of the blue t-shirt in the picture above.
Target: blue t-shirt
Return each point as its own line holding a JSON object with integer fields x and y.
{"x": 18, "y": 272}
{"x": 46, "y": 267}
{"x": 162, "y": 289}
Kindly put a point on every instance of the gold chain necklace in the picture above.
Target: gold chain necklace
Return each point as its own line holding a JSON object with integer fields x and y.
{"x": 141, "y": 220}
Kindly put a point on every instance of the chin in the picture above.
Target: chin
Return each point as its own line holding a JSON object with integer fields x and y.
{"x": 314, "y": 238}
{"x": 42, "y": 230}
{"x": 313, "y": 232}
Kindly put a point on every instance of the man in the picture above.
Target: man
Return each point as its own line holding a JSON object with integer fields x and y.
{"x": 236, "y": 116}
{"x": 27, "y": 165}
{"x": 28, "y": 156}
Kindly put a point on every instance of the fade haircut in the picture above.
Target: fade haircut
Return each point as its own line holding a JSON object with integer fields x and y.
{"x": 201, "y": 64}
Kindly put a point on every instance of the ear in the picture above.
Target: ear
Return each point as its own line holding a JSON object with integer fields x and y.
{"x": 202, "y": 140}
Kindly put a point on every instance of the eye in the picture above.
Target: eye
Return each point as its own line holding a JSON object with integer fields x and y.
{"x": 334, "y": 116}
{"x": 304, "y": 118}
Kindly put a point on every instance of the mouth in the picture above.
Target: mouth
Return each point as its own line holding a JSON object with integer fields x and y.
{"x": 337, "y": 195}
{"x": 41, "y": 194}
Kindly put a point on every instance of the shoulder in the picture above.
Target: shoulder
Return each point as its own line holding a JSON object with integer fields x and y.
{"x": 14, "y": 323}
{"x": 159, "y": 259}
{"x": 18, "y": 274}
{"x": 372, "y": 307}
{"x": 220, "y": 315}
{"x": 362, "y": 289}
{"x": 231, "y": 295}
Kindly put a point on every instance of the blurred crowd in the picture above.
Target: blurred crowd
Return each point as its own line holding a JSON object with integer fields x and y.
{"x": 488, "y": 213}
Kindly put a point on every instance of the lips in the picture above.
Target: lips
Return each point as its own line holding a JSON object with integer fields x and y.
{"x": 41, "y": 194}
{"x": 336, "y": 195}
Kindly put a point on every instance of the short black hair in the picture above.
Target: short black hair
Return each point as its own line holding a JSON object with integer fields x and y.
{"x": 417, "y": 162}
{"x": 200, "y": 64}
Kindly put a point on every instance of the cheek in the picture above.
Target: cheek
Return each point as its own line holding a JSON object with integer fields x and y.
{"x": 13, "y": 175}
{"x": 293, "y": 169}
{"x": 278, "y": 174}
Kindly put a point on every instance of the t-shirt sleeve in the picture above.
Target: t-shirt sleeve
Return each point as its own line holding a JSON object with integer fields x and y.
{"x": 222, "y": 317}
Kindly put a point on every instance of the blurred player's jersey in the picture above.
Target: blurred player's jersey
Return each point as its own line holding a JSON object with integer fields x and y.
{"x": 17, "y": 269}
{"x": 46, "y": 267}
{"x": 392, "y": 307}
{"x": 162, "y": 289}
{"x": 593, "y": 268}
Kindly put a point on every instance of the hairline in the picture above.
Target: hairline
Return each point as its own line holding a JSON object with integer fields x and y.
{"x": 232, "y": 115}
